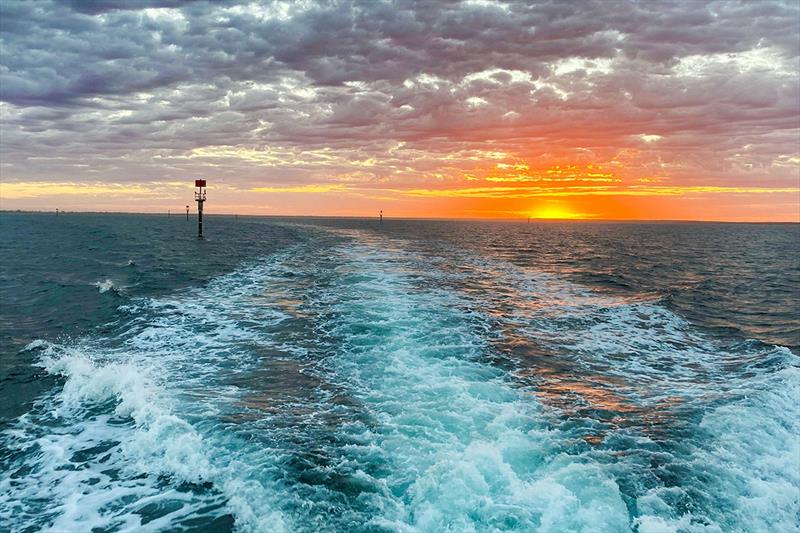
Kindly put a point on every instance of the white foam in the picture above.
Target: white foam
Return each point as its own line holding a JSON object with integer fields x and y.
{"x": 467, "y": 452}
{"x": 155, "y": 441}
{"x": 742, "y": 458}
{"x": 109, "y": 285}
{"x": 748, "y": 458}
{"x": 124, "y": 393}
{"x": 105, "y": 286}
{"x": 447, "y": 442}
{"x": 33, "y": 345}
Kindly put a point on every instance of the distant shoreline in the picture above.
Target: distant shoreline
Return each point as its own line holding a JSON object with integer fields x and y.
{"x": 432, "y": 219}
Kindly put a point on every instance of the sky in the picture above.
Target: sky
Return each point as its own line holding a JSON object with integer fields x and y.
{"x": 678, "y": 110}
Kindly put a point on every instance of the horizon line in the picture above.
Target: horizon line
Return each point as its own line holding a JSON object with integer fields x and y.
{"x": 444, "y": 219}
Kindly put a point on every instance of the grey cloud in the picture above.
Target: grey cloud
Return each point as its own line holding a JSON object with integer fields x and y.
{"x": 111, "y": 79}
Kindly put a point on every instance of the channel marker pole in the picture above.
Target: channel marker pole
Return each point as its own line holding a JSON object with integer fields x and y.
{"x": 200, "y": 197}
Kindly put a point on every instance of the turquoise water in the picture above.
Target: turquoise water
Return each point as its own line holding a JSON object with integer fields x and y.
{"x": 341, "y": 375}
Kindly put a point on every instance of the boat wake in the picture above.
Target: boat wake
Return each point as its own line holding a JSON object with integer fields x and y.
{"x": 361, "y": 384}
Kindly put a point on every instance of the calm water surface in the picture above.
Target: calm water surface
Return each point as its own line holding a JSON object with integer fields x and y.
{"x": 345, "y": 375}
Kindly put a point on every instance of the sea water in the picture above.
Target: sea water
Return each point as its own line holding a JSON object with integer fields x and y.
{"x": 351, "y": 375}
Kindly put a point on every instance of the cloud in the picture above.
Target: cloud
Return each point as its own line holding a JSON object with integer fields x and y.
{"x": 636, "y": 190}
{"x": 313, "y": 188}
{"x": 12, "y": 191}
{"x": 402, "y": 95}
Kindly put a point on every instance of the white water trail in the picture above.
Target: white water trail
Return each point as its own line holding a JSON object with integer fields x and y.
{"x": 465, "y": 451}
{"x": 446, "y": 441}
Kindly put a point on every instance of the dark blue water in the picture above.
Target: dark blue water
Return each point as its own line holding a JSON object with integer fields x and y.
{"x": 345, "y": 375}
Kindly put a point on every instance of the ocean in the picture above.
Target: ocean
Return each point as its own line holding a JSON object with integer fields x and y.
{"x": 412, "y": 375}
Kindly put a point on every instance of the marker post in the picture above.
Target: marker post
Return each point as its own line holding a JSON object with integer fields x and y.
{"x": 200, "y": 197}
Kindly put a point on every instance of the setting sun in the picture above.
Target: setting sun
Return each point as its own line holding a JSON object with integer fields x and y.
{"x": 556, "y": 212}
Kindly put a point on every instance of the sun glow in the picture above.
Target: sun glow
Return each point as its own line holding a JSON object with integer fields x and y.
{"x": 557, "y": 212}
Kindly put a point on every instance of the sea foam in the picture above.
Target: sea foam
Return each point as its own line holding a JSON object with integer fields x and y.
{"x": 411, "y": 422}
{"x": 463, "y": 449}
{"x": 730, "y": 462}
{"x": 107, "y": 285}
{"x": 100, "y": 448}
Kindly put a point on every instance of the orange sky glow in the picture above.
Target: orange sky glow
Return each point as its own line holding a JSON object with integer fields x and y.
{"x": 561, "y": 192}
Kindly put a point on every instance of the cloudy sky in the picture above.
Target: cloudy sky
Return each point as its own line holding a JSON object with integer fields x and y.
{"x": 476, "y": 108}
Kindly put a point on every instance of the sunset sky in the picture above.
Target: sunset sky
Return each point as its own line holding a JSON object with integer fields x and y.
{"x": 479, "y": 108}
